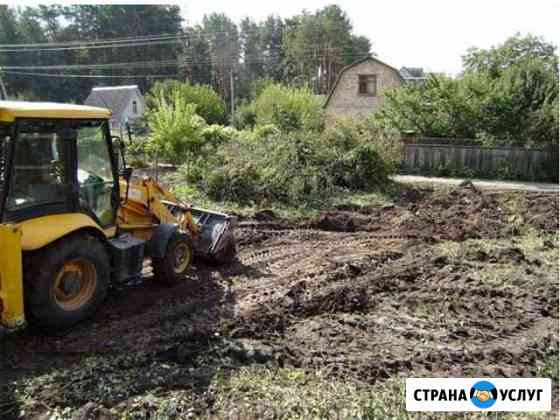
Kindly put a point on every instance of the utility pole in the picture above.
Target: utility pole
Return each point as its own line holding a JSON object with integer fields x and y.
{"x": 3, "y": 93}
{"x": 232, "y": 93}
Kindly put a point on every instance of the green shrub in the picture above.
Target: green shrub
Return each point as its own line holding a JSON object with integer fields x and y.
{"x": 176, "y": 129}
{"x": 507, "y": 94}
{"x": 348, "y": 134}
{"x": 298, "y": 168}
{"x": 362, "y": 168}
{"x": 290, "y": 109}
{"x": 208, "y": 104}
{"x": 216, "y": 134}
{"x": 245, "y": 116}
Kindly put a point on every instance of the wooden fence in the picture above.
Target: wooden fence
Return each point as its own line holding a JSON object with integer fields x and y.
{"x": 464, "y": 157}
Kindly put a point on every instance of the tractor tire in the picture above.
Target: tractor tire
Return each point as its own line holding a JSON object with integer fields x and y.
{"x": 171, "y": 269}
{"x": 66, "y": 282}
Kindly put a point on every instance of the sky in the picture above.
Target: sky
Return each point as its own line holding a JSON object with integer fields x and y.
{"x": 432, "y": 34}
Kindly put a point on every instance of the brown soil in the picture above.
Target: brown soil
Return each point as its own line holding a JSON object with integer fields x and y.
{"x": 360, "y": 292}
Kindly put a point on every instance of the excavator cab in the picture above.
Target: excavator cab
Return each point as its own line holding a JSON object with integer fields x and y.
{"x": 72, "y": 221}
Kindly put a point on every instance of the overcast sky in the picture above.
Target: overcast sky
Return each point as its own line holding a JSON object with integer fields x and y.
{"x": 431, "y": 33}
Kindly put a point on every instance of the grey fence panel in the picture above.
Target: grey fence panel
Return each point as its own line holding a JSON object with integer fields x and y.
{"x": 431, "y": 157}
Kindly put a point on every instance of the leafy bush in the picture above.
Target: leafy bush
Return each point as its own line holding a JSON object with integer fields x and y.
{"x": 216, "y": 134}
{"x": 358, "y": 137}
{"x": 507, "y": 94}
{"x": 176, "y": 129}
{"x": 208, "y": 104}
{"x": 245, "y": 116}
{"x": 281, "y": 168}
{"x": 290, "y": 109}
{"x": 299, "y": 167}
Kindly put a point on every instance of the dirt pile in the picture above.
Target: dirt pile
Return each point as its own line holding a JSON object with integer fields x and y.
{"x": 540, "y": 211}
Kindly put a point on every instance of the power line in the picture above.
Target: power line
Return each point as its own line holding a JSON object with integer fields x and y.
{"x": 139, "y": 64}
{"x": 99, "y": 41}
{"x": 146, "y": 40}
{"x": 92, "y": 76}
{"x": 90, "y": 47}
{"x": 263, "y": 60}
{"x": 77, "y": 45}
{"x": 48, "y": 46}
{"x": 180, "y": 61}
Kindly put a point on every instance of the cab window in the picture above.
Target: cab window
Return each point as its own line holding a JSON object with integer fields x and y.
{"x": 95, "y": 175}
{"x": 39, "y": 175}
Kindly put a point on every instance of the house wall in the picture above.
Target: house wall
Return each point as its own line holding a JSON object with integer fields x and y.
{"x": 128, "y": 113}
{"x": 347, "y": 102}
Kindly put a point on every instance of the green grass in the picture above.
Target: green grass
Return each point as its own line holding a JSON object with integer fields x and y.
{"x": 539, "y": 267}
{"x": 360, "y": 199}
{"x": 258, "y": 392}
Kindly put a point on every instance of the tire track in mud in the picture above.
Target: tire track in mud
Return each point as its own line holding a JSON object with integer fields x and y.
{"x": 364, "y": 300}
{"x": 370, "y": 305}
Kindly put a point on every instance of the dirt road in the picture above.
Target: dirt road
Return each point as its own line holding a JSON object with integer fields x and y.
{"x": 441, "y": 284}
{"x": 482, "y": 184}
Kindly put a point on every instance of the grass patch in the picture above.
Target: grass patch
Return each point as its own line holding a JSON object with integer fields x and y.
{"x": 340, "y": 198}
{"x": 256, "y": 392}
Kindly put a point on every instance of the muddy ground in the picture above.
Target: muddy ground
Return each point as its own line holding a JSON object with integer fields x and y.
{"x": 436, "y": 283}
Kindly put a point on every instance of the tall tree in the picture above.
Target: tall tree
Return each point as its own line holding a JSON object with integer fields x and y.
{"x": 318, "y": 45}
{"x": 272, "y": 47}
{"x": 224, "y": 50}
{"x": 515, "y": 50}
{"x": 86, "y": 23}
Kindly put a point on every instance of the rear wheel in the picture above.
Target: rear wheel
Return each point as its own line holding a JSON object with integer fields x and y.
{"x": 178, "y": 256}
{"x": 66, "y": 282}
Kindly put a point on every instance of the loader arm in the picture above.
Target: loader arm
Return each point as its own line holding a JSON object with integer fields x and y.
{"x": 149, "y": 204}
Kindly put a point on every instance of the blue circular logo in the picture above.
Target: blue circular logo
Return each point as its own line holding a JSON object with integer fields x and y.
{"x": 483, "y": 394}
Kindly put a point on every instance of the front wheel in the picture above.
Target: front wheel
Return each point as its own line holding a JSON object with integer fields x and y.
{"x": 178, "y": 256}
{"x": 66, "y": 282}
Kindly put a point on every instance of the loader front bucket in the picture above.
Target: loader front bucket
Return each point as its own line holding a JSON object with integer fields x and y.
{"x": 215, "y": 241}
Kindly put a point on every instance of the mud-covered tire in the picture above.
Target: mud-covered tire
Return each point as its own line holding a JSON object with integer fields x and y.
{"x": 80, "y": 260}
{"x": 171, "y": 269}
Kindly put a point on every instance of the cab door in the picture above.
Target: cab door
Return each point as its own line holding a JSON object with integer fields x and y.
{"x": 96, "y": 175}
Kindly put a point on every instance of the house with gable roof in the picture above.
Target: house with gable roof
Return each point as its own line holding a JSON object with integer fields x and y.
{"x": 126, "y": 103}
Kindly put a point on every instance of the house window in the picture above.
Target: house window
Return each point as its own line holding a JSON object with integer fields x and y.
{"x": 134, "y": 107}
{"x": 367, "y": 84}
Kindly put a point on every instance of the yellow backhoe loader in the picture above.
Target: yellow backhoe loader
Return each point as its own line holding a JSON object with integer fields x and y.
{"x": 73, "y": 220}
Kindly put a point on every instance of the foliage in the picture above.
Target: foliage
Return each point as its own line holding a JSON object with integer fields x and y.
{"x": 55, "y": 23}
{"x": 217, "y": 134}
{"x": 208, "y": 104}
{"x": 245, "y": 116}
{"x": 176, "y": 129}
{"x": 516, "y": 49}
{"x": 308, "y": 49}
{"x": 347, "y": 133}
{"x": 508, "y": 93}
{"x": 299, "y": 167}
{"x": 289, "y": 108}
{"x": 318, "y": 45}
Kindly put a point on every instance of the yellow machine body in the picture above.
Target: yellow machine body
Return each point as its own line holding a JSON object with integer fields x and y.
{"x": 39, "y": 232}
{"x": 145, "y": 206}
{"x": 11, "y": 285}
